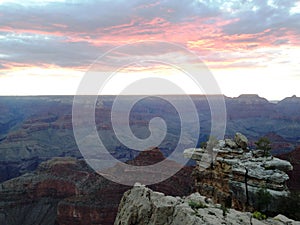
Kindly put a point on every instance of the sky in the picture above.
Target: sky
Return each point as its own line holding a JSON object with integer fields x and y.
{"x": 249, "y": 46}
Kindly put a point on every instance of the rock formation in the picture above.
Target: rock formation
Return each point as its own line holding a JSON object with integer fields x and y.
{"x": 39, "y": 138}
{"x": 142, "y": 206}
{"x": 233, "y": 176}
{"x": 52, "y": 193}
{"x": 66, "y": 191}
{"x": 241, "y": 141}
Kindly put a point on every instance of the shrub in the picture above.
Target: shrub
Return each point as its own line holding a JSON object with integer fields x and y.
{"x": 203, "y": 145}
{"x": 259, "y": 215}
{"x": 197, "y": 205}
{"x": 264, "y": 144}
{"x": 263, "y": 199}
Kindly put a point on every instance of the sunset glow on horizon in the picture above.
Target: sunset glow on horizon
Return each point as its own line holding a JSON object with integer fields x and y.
{"x": 250, "y": 46}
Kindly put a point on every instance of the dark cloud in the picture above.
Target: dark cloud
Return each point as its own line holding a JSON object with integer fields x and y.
{"x": 59, "y": 33}
{"x": 257, "y": 16}
{"x": 44, "y": 50}
{"x": 179, "y": 10}
{"x": 64, "y": 34}
{"x": 93, "y": 16}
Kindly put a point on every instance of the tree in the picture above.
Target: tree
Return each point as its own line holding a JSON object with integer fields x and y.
{"x": 263, "y": 199}
{"x": 264, "y": 144}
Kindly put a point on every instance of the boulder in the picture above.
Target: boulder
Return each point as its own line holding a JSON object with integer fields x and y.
{"x": 241, "y": 140}
{"x": 230, "y": 144}
{"x": 284, "y": 219}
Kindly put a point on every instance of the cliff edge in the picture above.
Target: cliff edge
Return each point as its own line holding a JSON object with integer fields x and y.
{"x": 142, "y": 206}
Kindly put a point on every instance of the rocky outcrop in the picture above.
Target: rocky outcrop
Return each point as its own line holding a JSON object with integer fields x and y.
{"x": 143, "y": 172}
{"x": 142, "y": 206}
{"x": 241, "y": 140}
{"x": 233, "y": 176}
{"x": 230, "y": 143}
{"x": 66, "y": 191}
{"x": 61, "y": 191}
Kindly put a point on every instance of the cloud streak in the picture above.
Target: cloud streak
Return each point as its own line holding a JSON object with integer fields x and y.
{"x": 72, "y": 34}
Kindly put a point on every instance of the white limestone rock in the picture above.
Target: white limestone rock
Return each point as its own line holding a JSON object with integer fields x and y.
{"x": 241, "y": 140}
{"x": 230, "y": 143}
{"x": 142, "y": 206}
{"x": 279, "y": 164}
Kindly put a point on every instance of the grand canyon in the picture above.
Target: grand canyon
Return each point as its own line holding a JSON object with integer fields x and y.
{"x": 45, "y": 179}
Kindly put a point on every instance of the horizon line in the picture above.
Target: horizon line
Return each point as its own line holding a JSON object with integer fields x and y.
{"x": 72, "y": 95}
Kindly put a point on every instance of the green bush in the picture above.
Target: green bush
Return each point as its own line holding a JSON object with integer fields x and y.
{"x": 264, "y": 144}
{"x": 197, "y": 205}
{"x": 259, "y": 215}
{"x": 203, "y": 145}
{"x": 263, "y": 199}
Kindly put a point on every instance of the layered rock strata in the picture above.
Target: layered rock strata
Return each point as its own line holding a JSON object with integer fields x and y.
{"x": 66, "y": 191}
{"x": 232, "y": 174}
